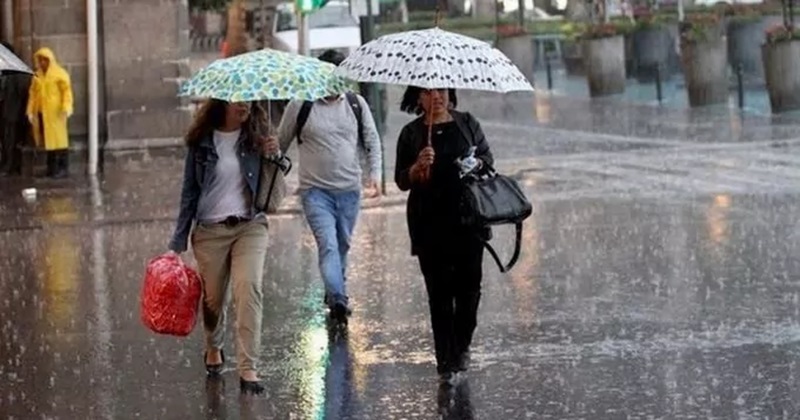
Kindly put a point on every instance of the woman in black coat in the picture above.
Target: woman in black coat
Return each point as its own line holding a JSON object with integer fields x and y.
{"x": 450, "y": 255}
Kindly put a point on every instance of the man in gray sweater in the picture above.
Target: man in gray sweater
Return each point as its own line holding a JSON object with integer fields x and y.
{"x": 331, "y": 132}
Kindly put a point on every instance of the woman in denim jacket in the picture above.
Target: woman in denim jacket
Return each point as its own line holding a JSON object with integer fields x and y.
{"x": 229, "y": 235}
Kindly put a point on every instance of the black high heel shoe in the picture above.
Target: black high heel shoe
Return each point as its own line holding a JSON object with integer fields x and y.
{"x": 251, "y": 387}
{"x": 214, "y": 370}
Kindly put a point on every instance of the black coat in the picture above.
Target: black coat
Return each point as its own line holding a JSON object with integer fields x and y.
{"x": 14, "y": 96}
{"x": 413, "y": 138}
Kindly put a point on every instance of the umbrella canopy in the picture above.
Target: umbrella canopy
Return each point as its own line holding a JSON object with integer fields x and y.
{"x": 9, "y": 62}
{"x": 434, "y": 59}
{"x": 265, "y": 75}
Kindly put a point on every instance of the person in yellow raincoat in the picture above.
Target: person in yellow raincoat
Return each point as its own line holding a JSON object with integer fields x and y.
{"x": 49, "y": 107}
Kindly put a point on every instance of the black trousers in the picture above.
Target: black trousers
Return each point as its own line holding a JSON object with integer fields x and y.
{"x": 58, "y": 163}
{"x": 14, "y": 135}
{"x": 453, "y": 274}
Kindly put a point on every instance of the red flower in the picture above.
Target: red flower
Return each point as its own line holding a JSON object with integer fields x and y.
{"x": 507, "y": 31}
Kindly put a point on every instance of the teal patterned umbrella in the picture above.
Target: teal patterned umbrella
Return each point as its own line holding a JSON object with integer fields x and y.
{"x": 266, "y": 75}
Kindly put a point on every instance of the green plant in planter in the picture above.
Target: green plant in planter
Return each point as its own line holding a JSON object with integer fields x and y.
{"x": 606, "y": 30}
{"x": 572, "y": 31}
{"x": 744, "y": 13}
{"x": 650, "y": 20}
{"x": 782, "y": 33}
{"x": 701, "y": 27}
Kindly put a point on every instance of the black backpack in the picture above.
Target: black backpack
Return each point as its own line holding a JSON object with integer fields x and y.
{"x": 355, "y": 105}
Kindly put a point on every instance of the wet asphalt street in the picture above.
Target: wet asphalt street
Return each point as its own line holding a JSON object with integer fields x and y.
{"x": 658, "y": 280}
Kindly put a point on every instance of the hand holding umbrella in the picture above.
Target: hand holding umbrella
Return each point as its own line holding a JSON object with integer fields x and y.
{"x": 270, "y": 146}
{"x": 421, "y": 169}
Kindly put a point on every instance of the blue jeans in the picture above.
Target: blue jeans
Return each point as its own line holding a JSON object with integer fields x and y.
{"x": 332, "y": 216}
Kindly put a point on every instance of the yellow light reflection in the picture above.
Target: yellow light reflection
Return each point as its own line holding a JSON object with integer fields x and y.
{"x": 313, "y": 359}
{"x": 543, "y": 109}
{"x": 716, "y": 218}
{"x": 60, "y": 262}
{"x": 357, "y": 340}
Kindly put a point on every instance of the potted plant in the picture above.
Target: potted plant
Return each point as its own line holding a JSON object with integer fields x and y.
{"x": 781, "y": 56}
{"x": 651, "y": 44}
{"x": 704, "y": 57}
{"x": 745, "y": 37}
{"x": 604, "y": 58}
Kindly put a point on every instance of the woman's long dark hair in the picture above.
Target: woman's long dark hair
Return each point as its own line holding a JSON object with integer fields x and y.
{"x": 211, "y": 116}
{"x": 410, "y": 102}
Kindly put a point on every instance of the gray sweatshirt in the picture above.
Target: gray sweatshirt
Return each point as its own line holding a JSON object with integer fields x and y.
{"x": 329, "y": 152}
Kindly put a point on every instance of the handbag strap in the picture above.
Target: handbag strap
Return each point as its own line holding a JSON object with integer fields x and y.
{"x": 271, "y": 186}
{"x": 284, "y": 165}
{"x": 504, "y": 268}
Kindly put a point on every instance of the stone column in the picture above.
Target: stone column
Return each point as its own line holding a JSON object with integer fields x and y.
{"x": 146, "y": 57}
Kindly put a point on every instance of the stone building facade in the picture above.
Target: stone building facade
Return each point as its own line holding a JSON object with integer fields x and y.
{"x": 143, "y": 57}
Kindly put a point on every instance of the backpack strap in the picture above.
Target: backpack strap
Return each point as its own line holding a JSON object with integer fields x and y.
{"x": 355, "y": 105}
{"x": 504, "y": 268}
{"x": 302, "y": 117}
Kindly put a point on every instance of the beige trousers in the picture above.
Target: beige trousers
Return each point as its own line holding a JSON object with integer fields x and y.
{"x": 233, "y": 255}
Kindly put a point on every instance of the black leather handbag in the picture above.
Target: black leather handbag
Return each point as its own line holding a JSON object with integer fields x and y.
{"x": 490, "y": 199}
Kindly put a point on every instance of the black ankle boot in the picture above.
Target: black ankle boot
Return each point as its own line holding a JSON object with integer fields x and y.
{"x": 51, "y": 164}
{"x": 251, "y": 387}
{"x": 62, "y": 164}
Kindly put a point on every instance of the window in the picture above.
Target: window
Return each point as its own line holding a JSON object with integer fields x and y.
{"x": 330, "y": 16}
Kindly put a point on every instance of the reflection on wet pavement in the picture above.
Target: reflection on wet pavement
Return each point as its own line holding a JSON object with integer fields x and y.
{"x": 655, "y": 282}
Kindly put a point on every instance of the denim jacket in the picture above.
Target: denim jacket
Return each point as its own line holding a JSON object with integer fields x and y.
{"x": 198, "y": 173}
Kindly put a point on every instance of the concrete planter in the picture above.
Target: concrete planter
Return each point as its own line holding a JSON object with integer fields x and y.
{"x": 744, "y": 46}
{"x": 520, "y": 50}
{"x": 705, "y": 68}
{"x": 604, "y": 59}
{"x": 782, "y": 74}
{"x": 650, "y": 49}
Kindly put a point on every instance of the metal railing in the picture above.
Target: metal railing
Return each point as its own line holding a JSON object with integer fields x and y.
{"x": 205, "y": 42}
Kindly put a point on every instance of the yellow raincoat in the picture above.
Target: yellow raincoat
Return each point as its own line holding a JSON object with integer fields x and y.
{"x": 50, "y": 96}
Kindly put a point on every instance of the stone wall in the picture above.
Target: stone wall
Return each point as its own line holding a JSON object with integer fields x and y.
{"x": 144, "y": 47}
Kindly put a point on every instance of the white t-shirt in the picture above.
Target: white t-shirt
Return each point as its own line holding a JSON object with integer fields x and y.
{"x": 227, "y": 191}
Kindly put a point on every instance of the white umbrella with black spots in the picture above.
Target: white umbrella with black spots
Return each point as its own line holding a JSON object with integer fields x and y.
{"x": 434, "y": 59}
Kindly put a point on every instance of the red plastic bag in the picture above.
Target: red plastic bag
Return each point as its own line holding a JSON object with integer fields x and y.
{"x": 170, "y": 296}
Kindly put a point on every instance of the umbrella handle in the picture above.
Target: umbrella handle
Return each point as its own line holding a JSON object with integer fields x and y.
{"x": 430, "y": 133}
{"x": 269, "y": 116}
{"x": 429, "y": 116}
{"x": 430, "y": 119}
